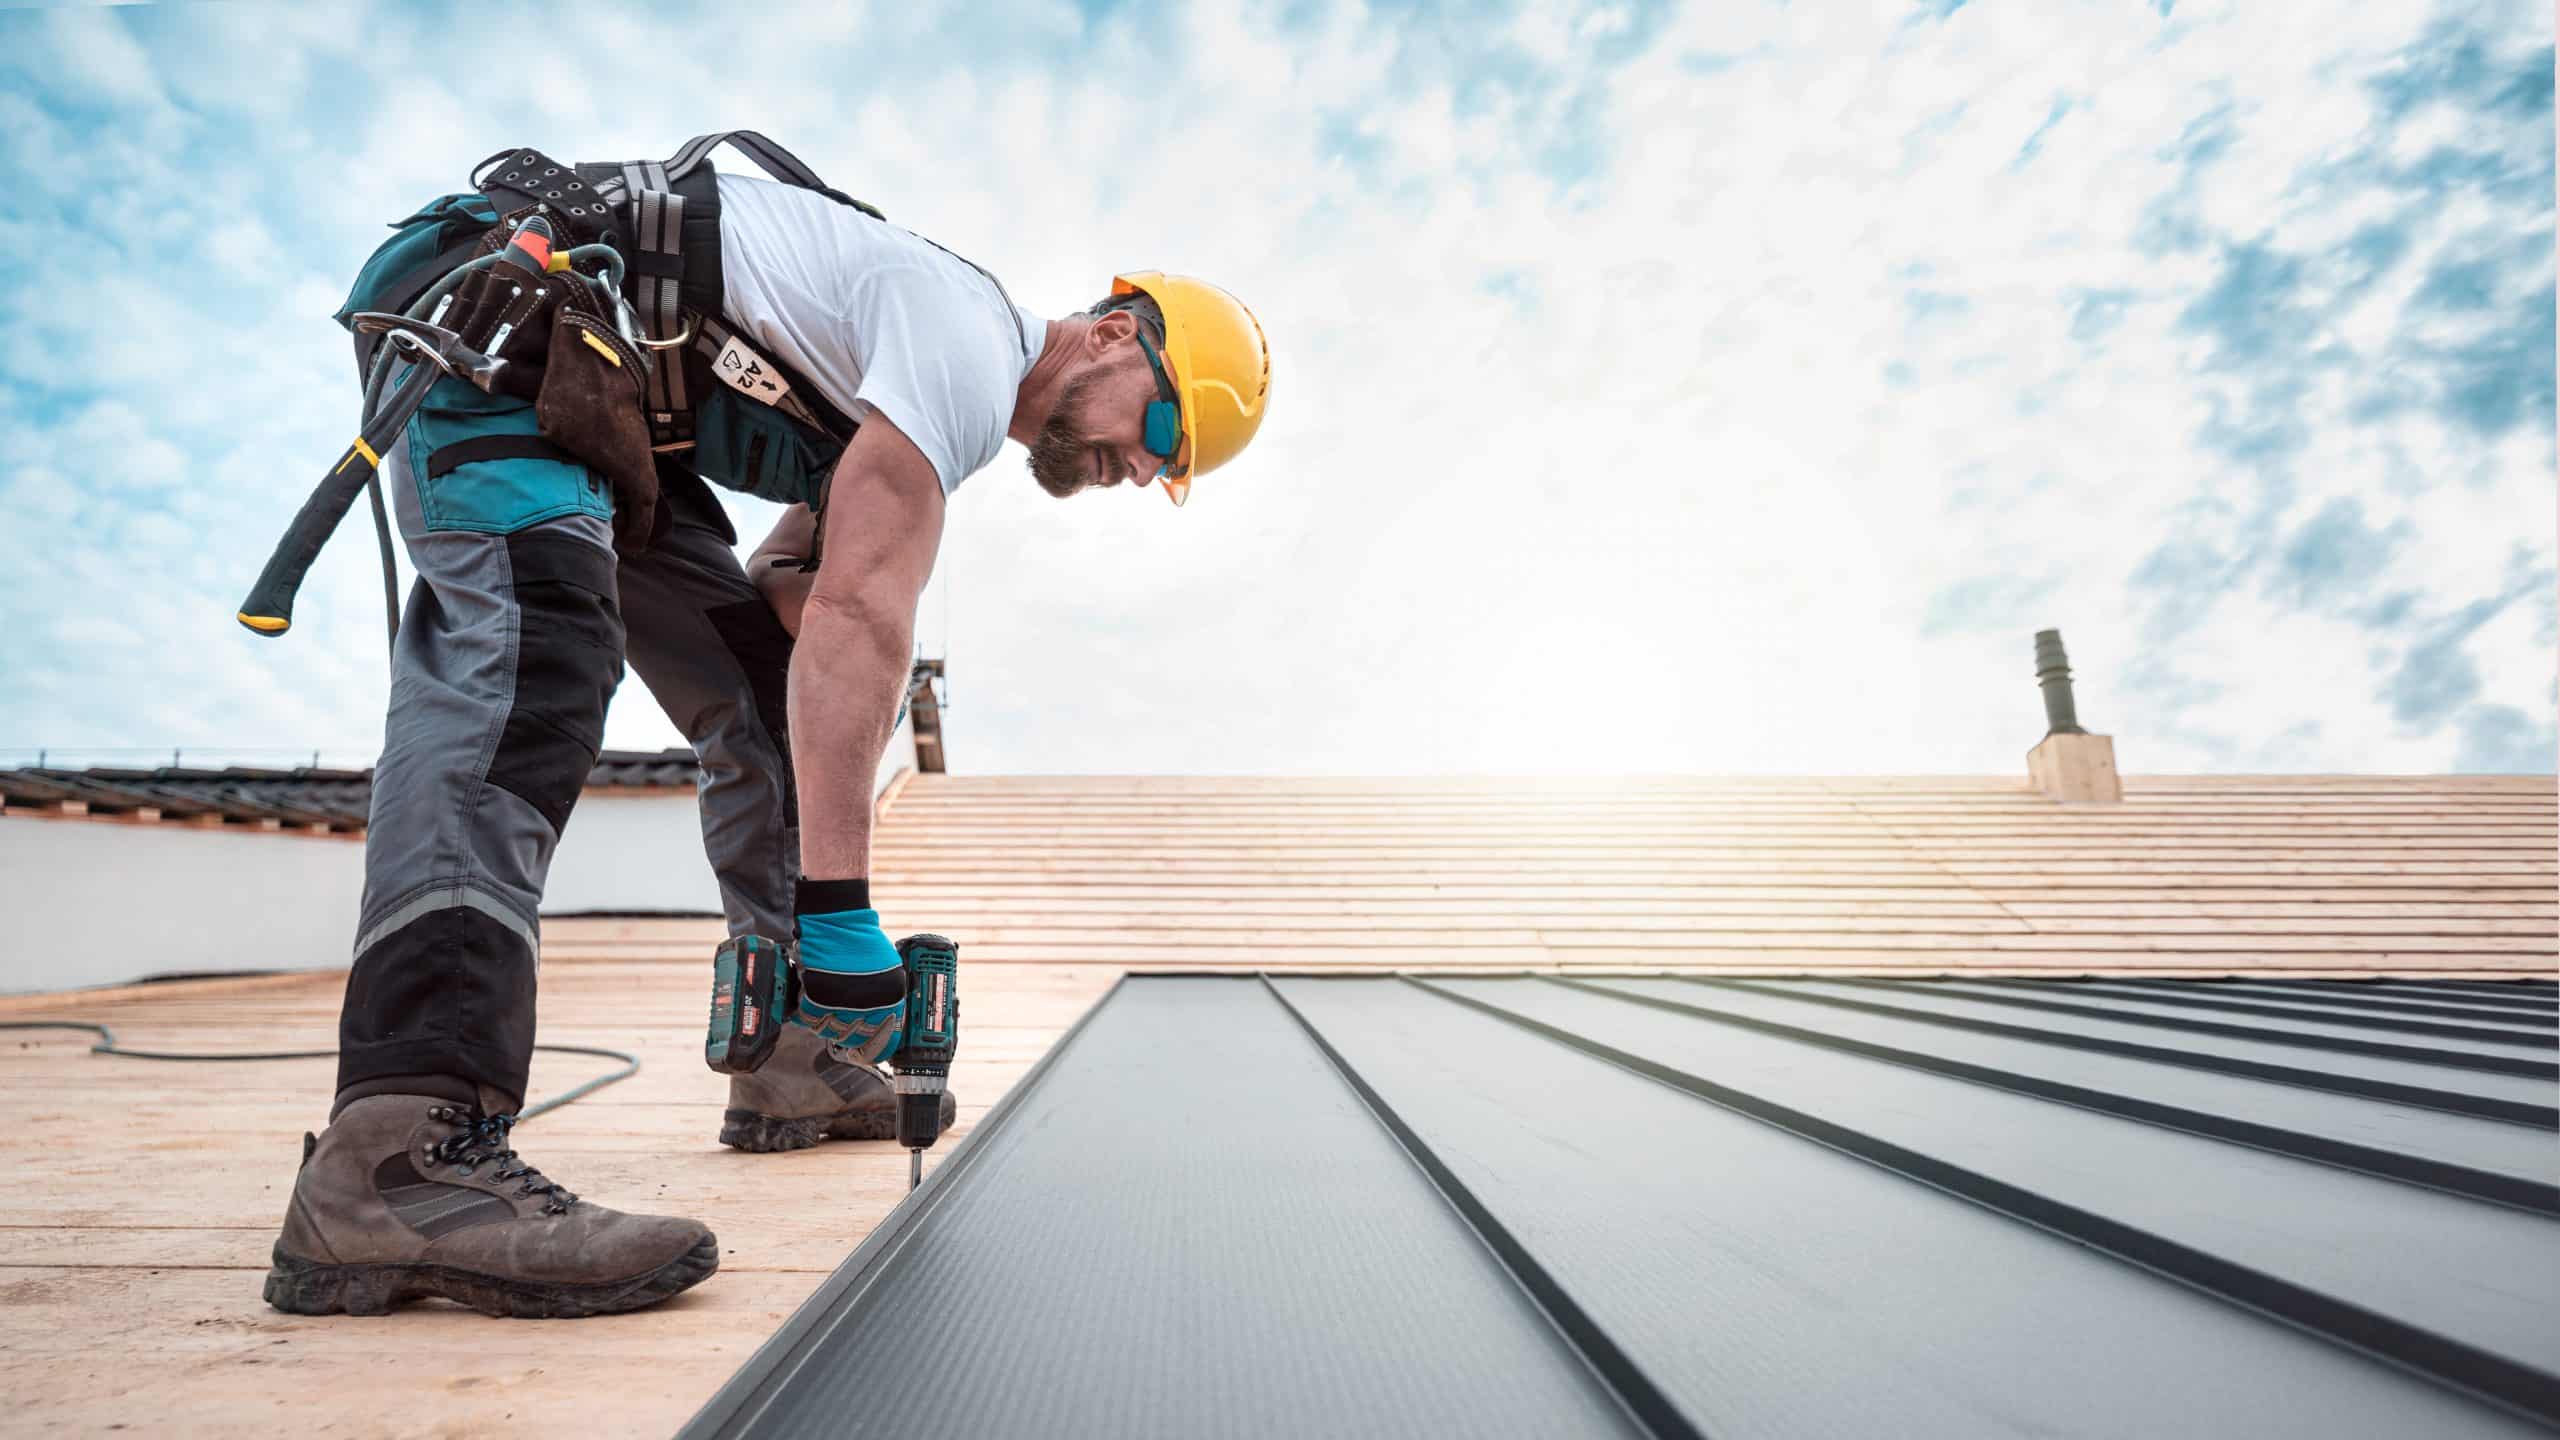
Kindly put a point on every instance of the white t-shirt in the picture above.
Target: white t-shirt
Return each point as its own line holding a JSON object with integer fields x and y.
{"x": 882, "y": 322}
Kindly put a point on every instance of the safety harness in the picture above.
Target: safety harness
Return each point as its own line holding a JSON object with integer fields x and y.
{"x": 664, "y": 216}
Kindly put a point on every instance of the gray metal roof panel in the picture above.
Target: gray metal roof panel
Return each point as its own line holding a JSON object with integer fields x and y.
{"x": 1777, "y": 1287}
{"x": 2509, "y": 1090}
{"x": 2520, "y": 1152}
{"x": 1736, "y": 1230}
{"x": 2500, "y": 994}
{"x": 2517, "y": 1053}
{"x": 2315, "y": 1003}
{"x": 1189, "y": 1222}
{"x": 2486, "y": 1276}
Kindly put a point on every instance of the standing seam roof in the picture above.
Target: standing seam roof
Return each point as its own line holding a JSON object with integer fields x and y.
{"x": 1716, "y": 1207}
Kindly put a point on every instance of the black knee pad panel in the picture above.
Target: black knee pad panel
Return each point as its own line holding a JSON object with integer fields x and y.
{"x": 762, "y": 649}
{"x": 568, "y": 661}
{"x": 449, "y": 993}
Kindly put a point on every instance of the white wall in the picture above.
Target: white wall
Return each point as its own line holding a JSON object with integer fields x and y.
{"x": 638, "y": 854}
{"x": 93, "y": 903}
{"x": 90, "y": 902}
{"x": 642, "y": 854}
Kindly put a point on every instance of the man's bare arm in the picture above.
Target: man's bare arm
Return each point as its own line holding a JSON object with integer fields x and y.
{"x": 857, "y": 631}
{"x": 785, "y": 587}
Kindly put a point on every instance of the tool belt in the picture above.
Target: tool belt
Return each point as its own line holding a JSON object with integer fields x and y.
{"x": 595, "y": 292}
{"x": 555, "y": 335}
{"x": 663, "y": 219}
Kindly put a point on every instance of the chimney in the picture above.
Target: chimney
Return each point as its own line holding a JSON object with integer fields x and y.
{"x": 2070, "y": 763}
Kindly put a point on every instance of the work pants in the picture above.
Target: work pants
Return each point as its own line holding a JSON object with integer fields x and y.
{"x": 511, "y": 645}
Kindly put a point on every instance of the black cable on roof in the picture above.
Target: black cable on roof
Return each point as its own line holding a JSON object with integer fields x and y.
{"x": 107, "y": 1046}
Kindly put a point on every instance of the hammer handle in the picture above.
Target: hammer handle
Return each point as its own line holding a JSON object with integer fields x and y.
{"x": 268, "y": 610}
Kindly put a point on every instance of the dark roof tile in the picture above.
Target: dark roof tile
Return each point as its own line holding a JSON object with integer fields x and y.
{"x": 304, "y": 795}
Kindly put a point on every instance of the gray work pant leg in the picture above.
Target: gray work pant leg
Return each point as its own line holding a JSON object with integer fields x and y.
{"x": 508, "y": 653}
{"x": 712, "y": 652}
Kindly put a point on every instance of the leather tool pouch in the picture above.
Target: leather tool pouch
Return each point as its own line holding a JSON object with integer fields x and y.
{"x": 592, "y": 380}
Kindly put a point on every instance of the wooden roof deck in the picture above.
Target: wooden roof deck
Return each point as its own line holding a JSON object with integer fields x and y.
{"x": 144, "y": 1196}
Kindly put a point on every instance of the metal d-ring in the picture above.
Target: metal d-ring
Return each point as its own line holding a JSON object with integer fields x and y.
{"x": 683, "y": 337}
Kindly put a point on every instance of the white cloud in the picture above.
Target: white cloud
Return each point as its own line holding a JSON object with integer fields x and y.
{"x": 1661, "y": 463}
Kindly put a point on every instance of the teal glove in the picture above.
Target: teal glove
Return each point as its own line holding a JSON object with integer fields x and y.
{"x": 853, "y": 986}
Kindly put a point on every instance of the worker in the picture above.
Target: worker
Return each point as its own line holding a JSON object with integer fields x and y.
{"x": 835, "y": 362}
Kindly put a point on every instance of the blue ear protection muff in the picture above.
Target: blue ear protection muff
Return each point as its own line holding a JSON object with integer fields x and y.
{"x": 1164, "y": 416}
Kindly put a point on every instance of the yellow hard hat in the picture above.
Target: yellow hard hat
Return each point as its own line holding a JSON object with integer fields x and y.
{"x": 1221, "y": 370}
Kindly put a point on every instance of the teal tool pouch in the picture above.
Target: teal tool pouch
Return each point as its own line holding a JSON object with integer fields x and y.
{"x": 496, "y": 463}
{"x": 742, "y": 445}
{"x": 422, "y": 249}
{"x": 481, "y": 463}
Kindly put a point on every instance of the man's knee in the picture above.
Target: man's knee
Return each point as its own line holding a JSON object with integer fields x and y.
{"x": 568, "y": 662}
{"x": 762, "y": 648}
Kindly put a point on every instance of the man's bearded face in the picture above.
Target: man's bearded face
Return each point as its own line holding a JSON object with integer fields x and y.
{"x": 1095, "y": 436}
{"x": 1062, "y": 454}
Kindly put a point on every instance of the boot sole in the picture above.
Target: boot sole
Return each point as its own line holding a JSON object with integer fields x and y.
{"x": 309, "y": 1287}
{"x": 765, "y": 1134}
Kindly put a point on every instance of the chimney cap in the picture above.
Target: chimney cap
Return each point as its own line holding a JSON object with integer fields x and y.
{"x": 2053, "y": 673}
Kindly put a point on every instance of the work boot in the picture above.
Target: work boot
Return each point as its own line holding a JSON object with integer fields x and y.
{"x": 409, "y": 1195}
{"x": 805, "y": 1092}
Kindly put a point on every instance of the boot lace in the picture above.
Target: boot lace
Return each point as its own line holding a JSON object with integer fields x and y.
{"x": 482, "y": 1140}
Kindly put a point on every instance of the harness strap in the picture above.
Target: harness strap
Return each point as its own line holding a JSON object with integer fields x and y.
{"x": 657, "y": 283}
{"x": 775, "y": 161}
{"x": 658, "y": 197}
{"x": 800, "y": 400}
{"x": 514, "y": 179}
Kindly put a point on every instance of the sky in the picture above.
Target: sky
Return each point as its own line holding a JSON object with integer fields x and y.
{"x": 1729, "y": 388}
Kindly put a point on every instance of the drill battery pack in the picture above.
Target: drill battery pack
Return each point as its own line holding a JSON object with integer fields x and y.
{"x": 750, "y": 1003}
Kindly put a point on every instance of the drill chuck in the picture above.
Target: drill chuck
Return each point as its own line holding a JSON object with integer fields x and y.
{"x": 919, "y": 1112}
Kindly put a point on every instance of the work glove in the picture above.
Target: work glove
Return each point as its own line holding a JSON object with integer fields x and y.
{"x": 853, "y": 986}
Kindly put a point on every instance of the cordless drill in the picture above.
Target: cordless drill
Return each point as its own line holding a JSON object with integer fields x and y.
{"x": 754, "y": 984}
{"x": 922, "y": 1064}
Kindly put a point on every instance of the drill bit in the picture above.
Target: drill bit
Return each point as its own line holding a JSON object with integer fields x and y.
{"x": 915, "y": 1170}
